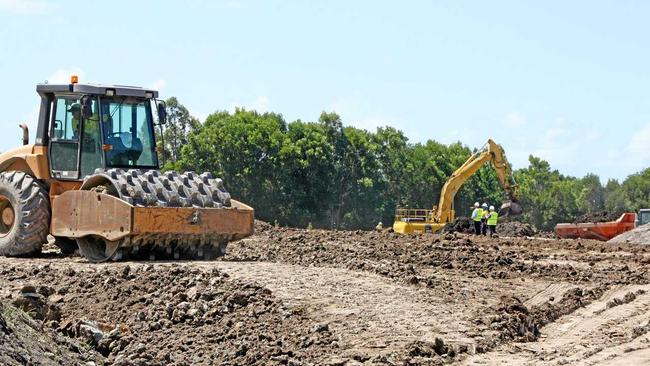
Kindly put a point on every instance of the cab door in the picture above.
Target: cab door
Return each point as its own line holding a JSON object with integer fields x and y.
{"x": 75, "y": 142}
{"x": 64, "y": 138}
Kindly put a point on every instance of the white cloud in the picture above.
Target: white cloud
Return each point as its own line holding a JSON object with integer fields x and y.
{"x": 514, "y": 120}
{"x": 261, "y": 104}
{"x": 636, "y": 154}
{"x": 352, "y": 115}
{"x": 62, "y": 76}
{"x": 555, "y": 136}
{"x": 341, "y": 106}
{"x": 158, "y": 85}
{"x": 25, "y": 6}
{"x": 640, "y": 141}
{"x": 233, "y": 4}
{"x": 201, "y": 116}
{"x": 370, "y": 123}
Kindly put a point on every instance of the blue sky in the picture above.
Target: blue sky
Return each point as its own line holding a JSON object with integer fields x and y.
{"x": 566, "y": 81}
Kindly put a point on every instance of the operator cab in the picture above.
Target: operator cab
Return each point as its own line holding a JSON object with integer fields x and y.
{"x": 90, "y": 126}
{"x": 643, "y": 217}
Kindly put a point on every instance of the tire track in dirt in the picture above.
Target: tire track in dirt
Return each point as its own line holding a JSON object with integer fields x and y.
{"x": 598, "y": 334}
{"x": 367, "y": 311}
{"x": 373, "y": 314}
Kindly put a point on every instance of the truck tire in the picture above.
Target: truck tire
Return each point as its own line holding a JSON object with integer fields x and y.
{"x": 24, "y": 214}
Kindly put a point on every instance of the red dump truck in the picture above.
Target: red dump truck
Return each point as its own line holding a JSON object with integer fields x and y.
{"x": 603, "y": 230}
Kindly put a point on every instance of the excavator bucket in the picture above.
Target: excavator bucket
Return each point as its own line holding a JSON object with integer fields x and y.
{"x": 511, "y": 208}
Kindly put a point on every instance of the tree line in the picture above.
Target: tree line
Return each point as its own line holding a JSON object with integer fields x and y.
{"x": 323, "y": 174}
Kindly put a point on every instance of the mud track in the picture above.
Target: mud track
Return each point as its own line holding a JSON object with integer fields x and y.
{"x": 306, "y": 297}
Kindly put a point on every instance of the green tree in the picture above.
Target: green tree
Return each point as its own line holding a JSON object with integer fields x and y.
{"x": 636, "y": 190}
{"x": 592, "y": 194}
{"x": 614, "y": 196}
{"x": 180, "y": 124}
{"x": 243, "y": 149}
{"x": 329, "y": 175}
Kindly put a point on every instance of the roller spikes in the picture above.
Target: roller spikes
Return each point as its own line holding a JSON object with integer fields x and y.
{"x": 151, "y": 188}
{"x": 171, "y": 189}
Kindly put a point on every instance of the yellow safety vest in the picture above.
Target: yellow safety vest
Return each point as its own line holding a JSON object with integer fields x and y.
{"x": 492, "y": 220}
{"x": 92, "y": 124}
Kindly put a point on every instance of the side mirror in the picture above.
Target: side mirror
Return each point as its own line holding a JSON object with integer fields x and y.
{"x": 86, "y": 107}
{"x": 162, "y": 112}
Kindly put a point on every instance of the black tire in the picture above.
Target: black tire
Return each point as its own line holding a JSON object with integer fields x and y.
{"x": 67, "y": 245}
{"x": 22, "y": 197}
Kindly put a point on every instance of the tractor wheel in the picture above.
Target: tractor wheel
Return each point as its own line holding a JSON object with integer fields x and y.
{"x": 24, "y": 214}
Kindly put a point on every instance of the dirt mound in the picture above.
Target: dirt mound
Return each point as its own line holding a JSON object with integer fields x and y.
{"x": 24, "y": 341}
{"x": 516, "y": 229}
{"x": 640, "y": 235}
{"x": 410, "y": 258}
{"x": 149, "y": 314}
{"x": 460, "y": 225}
{"x": 599, "y": 216}
{"x": 523, "y": 324}
{"x": 262, "y": 226}
{"x": 505, "y": 228}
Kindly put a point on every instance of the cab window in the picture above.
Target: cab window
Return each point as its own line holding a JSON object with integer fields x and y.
{"x": 65, "y": 137}
{"x": 128, "y": 133}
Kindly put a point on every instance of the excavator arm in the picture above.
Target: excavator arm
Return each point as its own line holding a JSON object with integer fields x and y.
{"x": 491, "y": 152}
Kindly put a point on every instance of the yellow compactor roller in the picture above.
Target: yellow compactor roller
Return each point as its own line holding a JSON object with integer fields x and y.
{"x": 92, "y": 180}
{"x": 425, "y": 220}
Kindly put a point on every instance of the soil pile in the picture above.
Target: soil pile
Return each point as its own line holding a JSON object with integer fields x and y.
{"x": 599, "y": 216}
{"x": 410, "y": 258}
{"x": 173, "y": 315}
{"x": 262, "y": 226}
{"x": 523, "y": 324}
{"x": 505, "y": 228}
{"x": 516, "y": 229}
{"x": 640, "y": 235}
{"x": 460, "y": 225}
{"x": 24, "y": 341}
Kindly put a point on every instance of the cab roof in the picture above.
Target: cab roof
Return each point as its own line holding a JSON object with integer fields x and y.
{"x": 97, "y": 89}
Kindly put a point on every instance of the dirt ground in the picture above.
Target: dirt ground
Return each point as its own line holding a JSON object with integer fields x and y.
{"x": 314, "y": 297}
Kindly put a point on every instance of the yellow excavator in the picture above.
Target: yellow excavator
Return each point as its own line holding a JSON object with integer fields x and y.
{"x": 430, "y": 221}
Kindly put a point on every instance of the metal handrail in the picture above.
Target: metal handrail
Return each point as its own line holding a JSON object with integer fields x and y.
{"x": 414, "y": 213}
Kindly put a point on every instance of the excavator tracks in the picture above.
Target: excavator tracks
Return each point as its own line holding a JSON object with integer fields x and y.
{"x": 152, "y": 188}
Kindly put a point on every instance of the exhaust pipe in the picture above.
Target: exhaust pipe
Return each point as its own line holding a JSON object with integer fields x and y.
{"x": 25, "y": 133}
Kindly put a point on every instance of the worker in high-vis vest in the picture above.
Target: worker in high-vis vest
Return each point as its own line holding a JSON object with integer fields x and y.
{"x": 91, "y": 128}
{"x": 492, "y": 218}
{"x": 484, "y": 207}
{"x": 477, "y": 216}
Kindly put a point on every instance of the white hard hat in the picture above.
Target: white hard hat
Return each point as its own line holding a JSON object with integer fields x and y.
{"x": 476, "y": 204}
{"x": 484, "y": 205}
{"x": 491, "y": 208}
